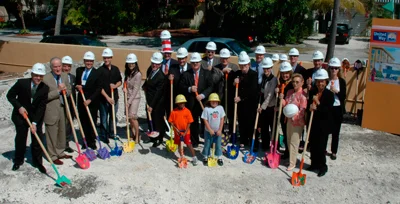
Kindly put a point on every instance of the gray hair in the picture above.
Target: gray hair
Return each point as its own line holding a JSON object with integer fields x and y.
{"x": 52, "y": 59}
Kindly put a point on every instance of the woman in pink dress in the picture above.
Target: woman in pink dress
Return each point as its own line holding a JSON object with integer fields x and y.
{"x": 133, "y": 78}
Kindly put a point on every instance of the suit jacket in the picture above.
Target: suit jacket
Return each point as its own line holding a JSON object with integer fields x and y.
{"x": 342, "y": 94}
{"x": 300, "y": 69}
{"x": 93, "y": 86}
{"x": 234, "y": 67}
{"x": 172, "y": 62}
{"x": 154, "y": 89}
{"x": 204, "y": 62}
{"x": 72, "y": 83}
{"x": 323, "y": 118}
{"x": 20, "y": 96}
{"x": 52, "y": 113}
{"x": 204, "y": 86}
{"x": 176, "y": 71}
{"x": 248, "y": 86}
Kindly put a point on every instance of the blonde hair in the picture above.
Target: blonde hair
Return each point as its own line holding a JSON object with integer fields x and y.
{"x": 297, "y": 75}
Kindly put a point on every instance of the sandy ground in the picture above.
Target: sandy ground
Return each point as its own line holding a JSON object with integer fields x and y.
{"x": 366, "y": 171}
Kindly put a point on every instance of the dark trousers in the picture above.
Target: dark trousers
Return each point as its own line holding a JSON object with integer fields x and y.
{"x": 266, "y": 123}
{"x": 319, "y": 139}
{"x": 195, "y": 126}
{"x": 20, "y": 144}
{"x": 283, "y": 126}
{"x": 157, "y": 116}
{"x": 246, "y": 118}
{"x": 85, "y": 121}
{"x": 337, "y": 123}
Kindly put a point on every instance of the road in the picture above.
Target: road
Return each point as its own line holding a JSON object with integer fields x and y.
{"x": 357, "y": 49}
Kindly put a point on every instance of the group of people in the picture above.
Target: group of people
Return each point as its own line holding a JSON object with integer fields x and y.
{"x": 213, "y": 82}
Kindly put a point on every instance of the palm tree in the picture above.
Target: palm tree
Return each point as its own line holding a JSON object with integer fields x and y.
{"x": 59, "y": 17}
{"x": 327, "y": 5}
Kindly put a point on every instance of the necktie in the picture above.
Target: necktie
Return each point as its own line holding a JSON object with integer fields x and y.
{"x": 166, "y": 68}
{"x": 196, "y": 78}
{"x": 33, "y": 90}
{"x": 181, "y": 69}
{"x": 257, "y": 68}
{"x": 152, "y": 74}
{"x": 85, "y": 76}
{"x": 209, "y": 62}
{"x": 58, "y": 83}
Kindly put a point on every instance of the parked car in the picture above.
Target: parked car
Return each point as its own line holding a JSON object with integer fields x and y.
{"x": 74, "y": 40}
{"x": 343, "y": 33}
{"x": 234, "y": 46}
{"x": 64, "y": 30}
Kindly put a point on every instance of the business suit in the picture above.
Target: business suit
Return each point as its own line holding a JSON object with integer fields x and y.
{"x": 204, "y": 62}
{"x": 154, "y": 91}
{"x": 91, "y": 90}
{"x": 172, "y": 64}
{"x": 68, "y": 129}
{"x": 247, "y": 107}
{"x": 54, "y": 117}
{"x": 204, "y": 87}
{"x": 337, "y": 113}
{"x": 20, "y": 96}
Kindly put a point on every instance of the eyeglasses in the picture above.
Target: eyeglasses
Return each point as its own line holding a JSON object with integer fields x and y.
{"x": 296, "y": 82}
{"x": 156, "y": 64}
{"x": 194, "y": 62}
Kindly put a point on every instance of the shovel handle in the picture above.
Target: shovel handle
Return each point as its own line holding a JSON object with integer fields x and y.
{"x": 126, "y": 112}
{"x": 88, "y": 112}
{"x": 235, "y": 108}
{"x": 201, "y": 103}
{"x": 77, "y": 116}
{"x": 113, "y": 112}
{"x": 71, "y": 122}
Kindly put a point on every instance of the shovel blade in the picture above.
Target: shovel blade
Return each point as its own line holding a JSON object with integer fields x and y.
{"x": 298, "y": 179}
{"x": 182, "y": 163}
{"x": 212, "y": 162}
{"x": 128, "y": 146}
{"x": 63, "y": 181}
{"x": 273, "y": 160}
{"x": 249, "y": 157}
{"x": 233, "y": 152}
{"x": 83, "y": 161}
{"x": 103, "y": 153}
{"x": 171, "y": 146}
{"x": 117, "y": 151}
{"x": 153, "y": 134}
{"x": 90, "y": 154}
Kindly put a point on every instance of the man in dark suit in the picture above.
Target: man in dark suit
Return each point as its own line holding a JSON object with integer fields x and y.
{"x": 153, "y": 88}
{"x": 293, "y": 58}
{"x": 88, "y": 79}
{"x": 167, "y": 64}
{"x": 29, "y": 96}
{"x": 210, "y": 60}
{"x": 66, "y": 68}
{"x": 196, "y": 85}
{"x": 176, "y": 71}
{"x": 247, "y": 99}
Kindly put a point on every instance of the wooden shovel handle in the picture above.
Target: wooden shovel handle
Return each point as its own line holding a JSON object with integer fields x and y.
{"x": 71, "y": 122}
{"x": 235, "y": 108}
{"x": 201, "y": 103}
{"x": 88, "y": 112}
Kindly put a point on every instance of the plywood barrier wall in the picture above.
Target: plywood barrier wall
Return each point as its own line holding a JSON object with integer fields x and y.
{"x": 20, "y": 56}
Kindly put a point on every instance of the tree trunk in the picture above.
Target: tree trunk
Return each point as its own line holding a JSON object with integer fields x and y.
{"x": 59, "y": 17}
{"x": 332, "y": 38}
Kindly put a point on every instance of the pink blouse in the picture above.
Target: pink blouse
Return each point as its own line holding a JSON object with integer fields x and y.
{"x": 299, "y": 99}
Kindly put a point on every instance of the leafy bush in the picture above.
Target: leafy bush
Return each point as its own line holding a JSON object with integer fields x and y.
{"x": 24, "y": 31}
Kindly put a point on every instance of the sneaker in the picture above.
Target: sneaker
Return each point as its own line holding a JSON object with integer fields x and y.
{"x": 194, "y": 161}
{"x": 205, "y": 161}
{"x": 220, "y": 162}
{"x": 333, "y": 156}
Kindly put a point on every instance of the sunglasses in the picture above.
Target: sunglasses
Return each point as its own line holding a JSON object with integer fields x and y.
{"x": 335, "y": 68}
{"x": 195, "y": 62}
{"x": 209, "y": 51}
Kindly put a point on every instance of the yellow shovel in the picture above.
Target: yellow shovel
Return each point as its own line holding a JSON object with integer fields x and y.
{"x": 130, "y": 145}
{"x": 212, "y": 161}
{"x": 171, "y": 146}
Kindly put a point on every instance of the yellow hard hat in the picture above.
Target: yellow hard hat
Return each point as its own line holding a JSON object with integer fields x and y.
{"x": 213, "y": 97}
{"x": 180, "y": 99}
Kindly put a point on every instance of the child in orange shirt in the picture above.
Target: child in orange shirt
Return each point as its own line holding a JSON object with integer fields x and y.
{"x": 180, "y": 118}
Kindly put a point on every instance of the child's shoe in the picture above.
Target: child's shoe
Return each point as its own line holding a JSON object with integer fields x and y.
{"x": 220, "y": 162}
{"x": 205, "y": 161}
{"x": 194, "y": 161}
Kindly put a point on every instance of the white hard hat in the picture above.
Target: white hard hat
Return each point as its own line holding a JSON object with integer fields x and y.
{"x": 260, "y": 50}
{"x": 321, "y": 74}
{"x": 157, "y": 58}
{"x": 267, "y": 63}
{"x": 290, "y": 110}
{"x": 195, "y": 57}
{"x": 285, "y": 67}
{"x": 294, "y": 52}
{"x": 345, "y": 59}
{"x": 243, "y": 53}
{"x": 318, "y": 55}
{"x": 88, "y": 55}
{"x": 66, "y": 60}
{"x": 244, "y": 59}
{"x": 165, "y": 34}
{"x": 224, "y": 53}
{"x": 275, "y": 57}
{"x": 283, "y": 57}
{"x": 182, "y": 53}
{"x": 211, "y": 46}
{"x": 39, "y": 69}
{"x": 107, "y": 53}
{"x": 334, "y": 62}
{"x": 131, "y": 58}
